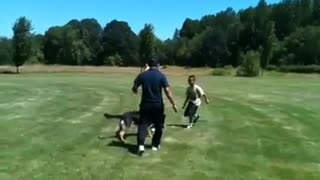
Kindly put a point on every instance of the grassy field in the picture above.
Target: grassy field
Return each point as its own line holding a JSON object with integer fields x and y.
{"x": 262, "y": 128}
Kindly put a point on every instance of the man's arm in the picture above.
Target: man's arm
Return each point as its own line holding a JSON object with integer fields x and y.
{"x": 136, "y": 84}
{"x": 168, "y": 92}
{"x": 169, "y": 95}
{"x": 134, "y": 89}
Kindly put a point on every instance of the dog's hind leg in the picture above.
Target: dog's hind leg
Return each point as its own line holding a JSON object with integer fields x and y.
{"x": 150, "y": 134}
{"x": 121, "y": 134}
{"x": 122, "y": 131}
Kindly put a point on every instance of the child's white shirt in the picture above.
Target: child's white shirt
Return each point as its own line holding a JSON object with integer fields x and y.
{"x": 195, "y": 94}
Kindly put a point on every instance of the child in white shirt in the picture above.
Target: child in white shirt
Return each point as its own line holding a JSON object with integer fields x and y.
{"x": 194, "y": 94}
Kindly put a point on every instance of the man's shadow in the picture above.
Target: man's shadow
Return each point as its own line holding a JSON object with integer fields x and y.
{"x": 130, "y": 147}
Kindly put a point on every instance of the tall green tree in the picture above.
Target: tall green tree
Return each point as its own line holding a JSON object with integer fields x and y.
{"x": 190, "y": 28}
{"x": 285, "y": 18}
{"x": 6, "y": 51}
{"x": 147, "y": 43}
{"x": 52, "y": 45}
{"x": 91, "y": 35}
{"x": 37, "y": 49}
{"x": 90, "y": 32}
{"x": 316, "y": 12}
{"x": 268, "y": 46}
{"x": 21, "y": 41}
{"x": 118, "y": 38}
{"x": 214, "y": 48}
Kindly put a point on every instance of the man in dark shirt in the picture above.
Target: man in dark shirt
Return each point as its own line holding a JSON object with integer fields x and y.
{"x": 152, "y": 106}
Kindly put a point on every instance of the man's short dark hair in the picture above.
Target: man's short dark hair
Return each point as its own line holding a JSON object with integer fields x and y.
{"x": 153, "y": 62}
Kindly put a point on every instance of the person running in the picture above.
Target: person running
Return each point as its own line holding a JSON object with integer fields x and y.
{"x": 145, "y": 68}
{"x": 194, "y": 94}
{"x": 151, "y": 105}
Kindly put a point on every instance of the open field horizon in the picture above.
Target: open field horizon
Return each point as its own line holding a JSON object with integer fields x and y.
{"x": 254, "y": 128}
{"x": 169, "y": 70}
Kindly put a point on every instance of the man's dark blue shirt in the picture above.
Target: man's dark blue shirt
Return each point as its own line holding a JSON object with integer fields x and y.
{"x": 152, "y": 82}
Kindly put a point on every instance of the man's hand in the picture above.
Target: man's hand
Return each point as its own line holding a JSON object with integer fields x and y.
{"x": 168, "y": 92}
{"x": 207, "y": 101}
{"x": 135, "y": 90}
{"x": 174, "y": 107}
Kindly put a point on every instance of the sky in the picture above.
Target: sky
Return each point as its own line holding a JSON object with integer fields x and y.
{"x": 165, "y": 15}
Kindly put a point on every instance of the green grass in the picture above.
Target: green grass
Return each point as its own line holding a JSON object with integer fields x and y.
{"x": 261, "y": 128}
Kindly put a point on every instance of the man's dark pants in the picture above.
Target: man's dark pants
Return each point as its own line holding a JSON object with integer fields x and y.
{"x": 151, "y": 113}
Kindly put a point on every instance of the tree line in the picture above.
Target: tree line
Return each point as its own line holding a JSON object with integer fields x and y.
{"x": 272, "y": 35}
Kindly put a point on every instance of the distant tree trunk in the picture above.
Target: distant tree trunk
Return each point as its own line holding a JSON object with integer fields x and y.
{"x": 17, "y": 70}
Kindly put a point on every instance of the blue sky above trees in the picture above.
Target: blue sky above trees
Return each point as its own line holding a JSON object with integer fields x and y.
{"x": 165, "y": 15}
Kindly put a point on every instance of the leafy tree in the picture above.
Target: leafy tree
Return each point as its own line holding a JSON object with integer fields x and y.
{"x": 284, "y": 16}
{"x": 52, "y": 45}
{"x": 91, "y": 35}
{"x": 302, "y": 47}
{"x": 190, "y": 28}
{"x": 21, "y": 41}
{"x": 316, "y": 12}
{"x": 118, "y": 38}
{"x": 268, "y": 46}
{"x": 250, "y": 64}
{"x": 6, "y": 51}
{"x": 37, "y": 47}
{"x": 214, "y": 47}
{"x": 90, "y": 32}
{"x": 248, "y": 36}
{"x": 73, "y": 51}
{"x": 147, "y": 43}
{"x": 115, "y": 60}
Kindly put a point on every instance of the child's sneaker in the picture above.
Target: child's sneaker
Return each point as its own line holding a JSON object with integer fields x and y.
{"x": 189, "y": 126}
{"x": 196, "y": 119}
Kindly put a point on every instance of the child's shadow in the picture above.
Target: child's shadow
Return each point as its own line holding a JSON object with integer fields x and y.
{"x": 116, "y": 136}
{"x": 177, "y": 125}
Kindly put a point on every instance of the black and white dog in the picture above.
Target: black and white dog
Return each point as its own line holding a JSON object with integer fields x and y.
{"x": 126, "y": 120}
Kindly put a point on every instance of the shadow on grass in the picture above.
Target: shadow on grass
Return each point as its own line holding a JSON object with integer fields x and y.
{"x": 7, "y": 72}
{"x": 116, "y": 136}
{"x": 177, "y": 125}
{"x": 130, "y": 147}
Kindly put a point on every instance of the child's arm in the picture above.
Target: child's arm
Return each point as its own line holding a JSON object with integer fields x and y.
{"x": 185, "y": 102}
{"x": 202, "y": 93}
{"x": 206, "y": 98}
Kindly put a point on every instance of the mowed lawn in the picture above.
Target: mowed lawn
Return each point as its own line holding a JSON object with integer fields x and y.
{"x": 254, "y": 128}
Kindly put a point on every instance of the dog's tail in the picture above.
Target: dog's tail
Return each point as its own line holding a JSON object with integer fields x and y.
{"x": 111, "y": 116}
